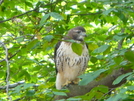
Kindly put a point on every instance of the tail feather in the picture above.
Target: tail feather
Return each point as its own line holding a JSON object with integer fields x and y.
{"x": 59, "y": 81}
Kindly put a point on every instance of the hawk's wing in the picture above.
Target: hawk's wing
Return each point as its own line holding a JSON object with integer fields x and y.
{"x": 55, "y": 52}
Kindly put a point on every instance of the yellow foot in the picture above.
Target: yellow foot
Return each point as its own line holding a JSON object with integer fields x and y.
{"x": 67, "y": 83}
{"x": 76, "y": 81}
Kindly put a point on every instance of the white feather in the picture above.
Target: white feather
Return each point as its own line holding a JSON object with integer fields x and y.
{"x": 69, "y": 64}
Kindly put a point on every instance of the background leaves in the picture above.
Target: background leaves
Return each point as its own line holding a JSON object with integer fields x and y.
{"x": 31, "y": 29}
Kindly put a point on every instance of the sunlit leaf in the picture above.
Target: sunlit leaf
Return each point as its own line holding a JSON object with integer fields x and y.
{"x": 92, "y": 46}
{"x": 109, "y": 11}
{"x": 56, "y": 15}
{"x": 48, "y": 38}
{"x": 130, "y": 87}
{"x": 20, "y": 39}
{"x": 73, "y": 99}
{"x": 101, "y": 49}
{"x": 87, "y": 78}
{"x": 77, "y": 48}
{"x": 43, "y": 19}
{"x": 27, "y": 85}
{"x": 60, "y": 93}
{"x": 120, "y": 78}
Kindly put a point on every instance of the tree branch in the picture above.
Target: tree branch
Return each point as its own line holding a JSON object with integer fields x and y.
{"x": 12, "y": 85}
{"x": 15, "y": 85}
{"x": 17, "y": 16}
{"x": 77, "y": 90}
{"x": 1, "y": 2}
{"x": 35, "y": 9}
{"x": 85, "y": 14}
{"x": 111, "y": 28}
{"x": 8, "y": 71}
{"x": 121, "y": 41}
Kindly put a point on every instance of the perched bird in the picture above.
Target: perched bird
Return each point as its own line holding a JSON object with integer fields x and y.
{"x": 70, "y": 65}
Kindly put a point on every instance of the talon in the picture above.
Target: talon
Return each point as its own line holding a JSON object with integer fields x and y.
{"x": 67, "y": 83}
{"x": 76, "y": 81}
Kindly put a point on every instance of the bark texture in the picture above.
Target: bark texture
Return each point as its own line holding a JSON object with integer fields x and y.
{"x": 76, "y": 90}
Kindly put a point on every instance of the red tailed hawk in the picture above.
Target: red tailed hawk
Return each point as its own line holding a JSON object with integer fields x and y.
{"x": 70, "y": 65}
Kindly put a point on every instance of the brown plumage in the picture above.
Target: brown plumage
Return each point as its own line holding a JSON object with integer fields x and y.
{"x": 70, "y": 65}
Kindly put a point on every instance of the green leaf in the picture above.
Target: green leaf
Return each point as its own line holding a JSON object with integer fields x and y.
{"x": 92, "y": 46}
{"x": 77, "y": 48}
{"x": 74, "y": 99}
{"x": 93, "y": 59}
{"x": 56, "y": 15}
{"x": 28, "y": 3}
{"x": 87, "y": 78}
{"x": 20, "y": 39}
{"x": 48, "y": 38}
{"x": 17, "y": 89}
{"x": 118, "y": 59}
{"x": 31, "y": 44}
{"x": 30, "y": 93}
{"x": 117, "y": 37}
{"x": 118, "y": 80}
{"x": 101, "y": 49}
{"x": 130, "y": 56}
{"x": 27, "y": 85}
{"x": 43, "y": 19}
{"x": 60, "y": 93}
{"x": 108, "y": 11}
{"x": 121, "y": 16}
{"x": 2, "y": 73}
{"x": 130, "y": 88}
{"x": 119, "y": 97}
{"x": 102, "y": 88}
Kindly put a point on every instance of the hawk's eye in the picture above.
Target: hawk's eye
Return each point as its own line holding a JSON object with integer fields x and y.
{"x": 79, "y": 32}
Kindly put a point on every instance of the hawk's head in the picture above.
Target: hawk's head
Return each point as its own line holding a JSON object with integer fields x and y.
{"x": 77, "y": 33}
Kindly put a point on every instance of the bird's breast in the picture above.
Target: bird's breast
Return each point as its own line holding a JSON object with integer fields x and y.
{"x": 66, "y": 55}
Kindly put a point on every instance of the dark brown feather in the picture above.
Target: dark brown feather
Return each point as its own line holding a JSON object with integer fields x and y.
{"x": 55, "y": 52}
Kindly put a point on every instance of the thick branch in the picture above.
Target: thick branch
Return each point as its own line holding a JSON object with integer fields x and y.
{"x": 76, "y": 90}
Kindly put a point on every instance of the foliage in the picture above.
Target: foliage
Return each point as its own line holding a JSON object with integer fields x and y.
{"x": 30, "y": 29}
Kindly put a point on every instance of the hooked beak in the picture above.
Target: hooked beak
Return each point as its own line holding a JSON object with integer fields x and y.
{"x": 83, "y": 34}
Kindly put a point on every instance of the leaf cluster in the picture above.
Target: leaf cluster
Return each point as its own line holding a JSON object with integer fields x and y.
{"x": 31, "y": 29}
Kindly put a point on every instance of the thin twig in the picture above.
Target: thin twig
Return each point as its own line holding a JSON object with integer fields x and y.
{"x": 120, "y": 44}
{"x": 8, "y": 71}
{"x": 106, "y": 93}
{"x": 121, "y": 41}
{"x": 111, "y": 28}
{"x": 11, "y": 56}
{"x": 17, "y": 16}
